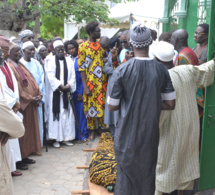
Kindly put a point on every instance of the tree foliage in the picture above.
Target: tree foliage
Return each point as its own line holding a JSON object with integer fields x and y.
{"x": 53, "y": 13}
{"x": 81, "y": 10}
{"x": 52, "y": 26}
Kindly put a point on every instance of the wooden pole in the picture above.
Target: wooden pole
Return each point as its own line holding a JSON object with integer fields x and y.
{"x": 81, "y": 192}
{"x": 82, "y": 167}
{"x": 89, "y": 149}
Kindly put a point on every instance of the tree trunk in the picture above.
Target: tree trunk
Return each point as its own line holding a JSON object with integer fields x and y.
{"x": 14, "y": 18}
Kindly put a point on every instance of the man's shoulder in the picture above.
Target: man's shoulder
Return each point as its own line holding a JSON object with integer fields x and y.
{"x": 35, "y": 62}
{"x": 181, "y": 71}
{"x": 82, "y": 45}
{"x": 186, "y": 50}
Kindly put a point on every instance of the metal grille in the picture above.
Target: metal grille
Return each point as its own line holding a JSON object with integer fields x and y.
{"x": 174, "y": 6}
{"x": 202, "y": 12}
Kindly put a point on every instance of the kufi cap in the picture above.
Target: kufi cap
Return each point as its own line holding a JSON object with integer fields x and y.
{"x": 12, "y": 38}
{"x": 12, "y": 45}
{"x": 140, "y": 36}
{"x": 27, "y": 44}
{"x": 25, "y": 33}
{"x": 40, "y": 47}
{"x": 164, "y": 51}
{"x": 57, "y": 43}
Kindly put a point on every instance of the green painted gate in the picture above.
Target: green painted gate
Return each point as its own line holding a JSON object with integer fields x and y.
{"x": 207, "y": 159}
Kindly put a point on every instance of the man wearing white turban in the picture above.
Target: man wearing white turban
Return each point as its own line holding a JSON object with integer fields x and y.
{"x": 61, "y": 80}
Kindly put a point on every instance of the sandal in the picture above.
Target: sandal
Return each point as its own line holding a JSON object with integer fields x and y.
{"x": 21, "y": 165}
{"x": 28, "y": 161}
{"x": 81, "y": 141}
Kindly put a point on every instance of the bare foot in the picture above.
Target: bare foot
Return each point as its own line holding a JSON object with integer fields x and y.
{"x": 92, "y": 135}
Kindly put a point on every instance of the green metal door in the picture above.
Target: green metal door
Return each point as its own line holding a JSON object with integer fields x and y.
{"x": 207, "y": 158}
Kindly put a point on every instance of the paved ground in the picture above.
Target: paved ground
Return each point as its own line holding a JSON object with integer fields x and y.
{"x": 55, "y": 172}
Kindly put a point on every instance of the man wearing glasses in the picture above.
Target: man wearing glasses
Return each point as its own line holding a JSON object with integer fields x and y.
{"x": 201, "y": 37}
{"x": 124, "y": 39}
{"x": 91, "y": 66}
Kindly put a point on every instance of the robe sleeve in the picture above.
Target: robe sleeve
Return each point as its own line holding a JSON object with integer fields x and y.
{"x": 81, "y": 58}
{"x": 116, "y": 89}
{"x": 71, "y": 77}
{"x": 25, "y": 98}
{"x": 204, "y": 74}
{"x": 9, "y": 95}
{"x": 108, "y": 69}
{"x": 168, "y": 92}
{"x": 41, "y": 80}
{"x": 50, "y": 72}
{"x": 9, "y": 121}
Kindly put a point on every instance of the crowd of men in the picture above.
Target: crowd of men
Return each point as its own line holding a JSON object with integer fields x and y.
{"x": 122, "y": 83}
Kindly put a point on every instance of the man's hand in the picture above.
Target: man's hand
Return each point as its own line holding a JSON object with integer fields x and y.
{"x": 39, "y": 98}
{"x": 34, "y": 100}
{"x": 60, "y": 88}
{"x": 87, "y": 91}
{"x": 79, "y": 97}
{"x": 114, "y": 52}
{"x": 105, "y": 59}
{"x": 3, "y": 138}
{"x": 66, "y": 88}
{"x": 16, "y": 107}
{"x": 129, "y": 55}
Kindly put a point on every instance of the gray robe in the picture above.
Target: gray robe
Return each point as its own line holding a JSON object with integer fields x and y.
{"x": 110, "y": 118}
{"x": 137, "y": 87}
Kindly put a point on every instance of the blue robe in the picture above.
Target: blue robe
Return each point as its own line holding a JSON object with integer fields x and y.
{"x": 79, "y": 107}
{"x": 37, "y": 71}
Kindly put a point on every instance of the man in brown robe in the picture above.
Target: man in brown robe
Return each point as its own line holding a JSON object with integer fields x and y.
{"x": 30, "y": 97}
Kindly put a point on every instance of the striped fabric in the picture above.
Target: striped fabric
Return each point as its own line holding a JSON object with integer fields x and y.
{"x": 178, "y": 152}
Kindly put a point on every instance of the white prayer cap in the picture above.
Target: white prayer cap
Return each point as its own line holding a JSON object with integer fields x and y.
{"x": 57, "y": 43}
{"x": 27, "y": 44}
{"x": 12, "y": 38}
{"x": 40, "y": 47}
{"x": 164, "y": 51}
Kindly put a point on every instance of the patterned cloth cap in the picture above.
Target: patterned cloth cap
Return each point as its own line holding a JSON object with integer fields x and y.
{"x": 140, "y": 36}
{"x": 25, "y": 33}
{"x": 4, "y": 44}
